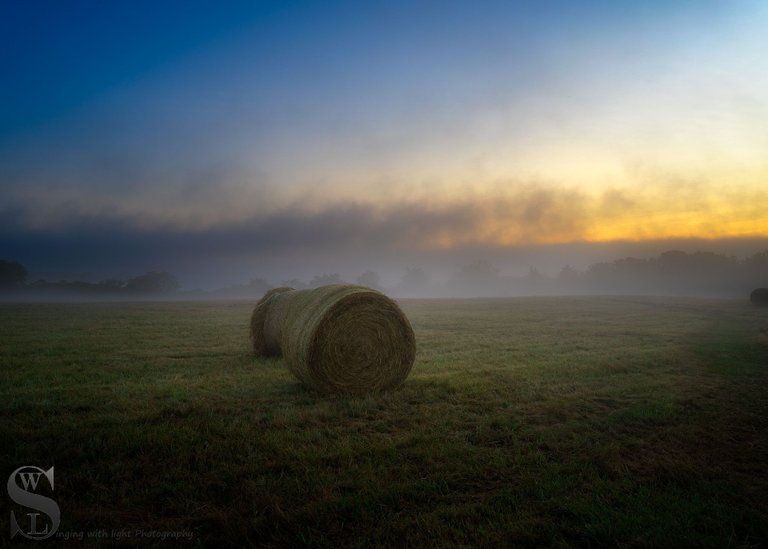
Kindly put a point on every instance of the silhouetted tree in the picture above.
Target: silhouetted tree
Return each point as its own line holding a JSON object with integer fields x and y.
{"x": 370, "y": 279}
{"x": 477, "y": 278}
{"x": 325, "y": 279}
{"x": 676, "y": 272}
{"x": 568, "y": 274}
{"x": 111, "y": 285}
{"x": 568, "y": 280}
{"x": 535, "y": 280}
{"x": 480, "y": 271}
{"x": 414, "y": 282}
{"x": 152, "y": 283}
{"x": 673, "y": 258}
{"x": 294, "y": 283}
{"x": 757, "y": 267}
{"x": 12, "y": 275}
{"x": 259, "y": 286}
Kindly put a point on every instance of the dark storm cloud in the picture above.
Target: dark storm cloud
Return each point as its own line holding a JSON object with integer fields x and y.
{"x": 108, "y": 238}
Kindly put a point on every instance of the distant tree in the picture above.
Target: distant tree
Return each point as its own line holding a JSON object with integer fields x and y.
{"x": 634, "y": 265}
{"x": 568, "y": 274}
{"x": 370, "y": 279}
{"x": 294, "y": 283}
{"x": 681, "y": 263}
{"x": 535, "y": 275}
{"x": 152, "y": 283}
{"x": 111, "y": 285}
{"x": 39, "y": 283}
{"x": 415, "y": 276}
{"x": 325, "y": 279}
{"x": 673, "y": 258}
{"x": 12, "y": 274}
{"x": 672, "y": 272}
{"x": 259, "y": 286}
{"x": 757, "y": 265}
{"x": 413, "y": 282}
{"x": 479, "y": 278}
{"x": 758, "y": 259}
{"x": 481, "y": 272}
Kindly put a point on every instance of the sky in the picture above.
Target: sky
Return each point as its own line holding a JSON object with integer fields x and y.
{"x": 224, "y": 141}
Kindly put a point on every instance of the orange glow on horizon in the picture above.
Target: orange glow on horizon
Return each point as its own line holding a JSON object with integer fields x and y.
{"x": 561, "y": 217}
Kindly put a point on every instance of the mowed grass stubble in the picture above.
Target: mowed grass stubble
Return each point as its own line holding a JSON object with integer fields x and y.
{"x": 555, "y": 421}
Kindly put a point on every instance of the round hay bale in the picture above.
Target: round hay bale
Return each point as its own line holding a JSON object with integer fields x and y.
{"x": 759, "y": 297}
{"x": 337, "y": 338}
{"x": 258, "y": 317}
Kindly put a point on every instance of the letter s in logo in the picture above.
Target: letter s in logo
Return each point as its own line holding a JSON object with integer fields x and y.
{"x": 23, "y": 495}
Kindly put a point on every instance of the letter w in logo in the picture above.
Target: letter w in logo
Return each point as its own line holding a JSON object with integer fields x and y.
{"x": 30, "y": 479}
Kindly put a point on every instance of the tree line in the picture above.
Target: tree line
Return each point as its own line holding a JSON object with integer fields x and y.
{"x": 671, "y": 273}
{"x": 13, "y": 279}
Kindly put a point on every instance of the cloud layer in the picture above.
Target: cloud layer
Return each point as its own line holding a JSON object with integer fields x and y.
{"x": 349, "y": 235}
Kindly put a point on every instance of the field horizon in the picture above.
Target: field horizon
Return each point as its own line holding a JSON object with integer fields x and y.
{"x": 526, "y": 421}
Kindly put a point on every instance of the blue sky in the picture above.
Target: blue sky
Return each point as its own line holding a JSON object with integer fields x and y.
{"x": 408, "y": 128}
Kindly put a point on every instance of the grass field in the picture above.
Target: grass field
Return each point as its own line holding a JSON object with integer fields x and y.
{"x": 638, "y": 422}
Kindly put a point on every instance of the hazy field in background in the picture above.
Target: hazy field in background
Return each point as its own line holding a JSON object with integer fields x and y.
{"x": 550, "y": 421}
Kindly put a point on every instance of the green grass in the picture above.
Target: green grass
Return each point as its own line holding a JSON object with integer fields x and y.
{"x": 539, "y": 421}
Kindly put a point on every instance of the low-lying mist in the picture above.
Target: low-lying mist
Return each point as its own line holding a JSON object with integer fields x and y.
{"x": 671, "y": 272}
